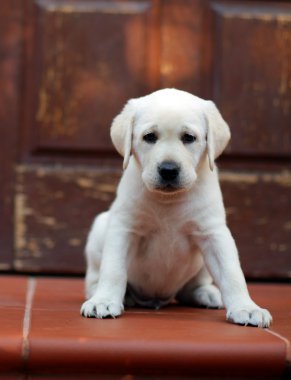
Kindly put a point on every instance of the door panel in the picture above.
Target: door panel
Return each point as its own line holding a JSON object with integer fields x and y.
{"x": 252, "y": 75}
{"x": 183, "y": 38}
{"x": 78, "y": 51}
{"x": 55, "y": 206}
{"x": 85, "y": 61}
{"x": 257, "y": 208}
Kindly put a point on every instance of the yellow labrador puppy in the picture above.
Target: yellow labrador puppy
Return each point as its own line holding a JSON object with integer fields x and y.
{"x": 165, "y": 235}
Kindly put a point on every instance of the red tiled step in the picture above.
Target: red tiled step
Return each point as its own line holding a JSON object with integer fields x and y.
{"x": 173, "y": 341}
{"x": 12, "y": 309}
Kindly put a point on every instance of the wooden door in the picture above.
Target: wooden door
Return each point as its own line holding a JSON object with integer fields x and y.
{"x": 66, "y": 69}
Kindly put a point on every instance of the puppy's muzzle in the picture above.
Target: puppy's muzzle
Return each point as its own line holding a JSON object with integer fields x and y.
{"x": 169, "y": 173}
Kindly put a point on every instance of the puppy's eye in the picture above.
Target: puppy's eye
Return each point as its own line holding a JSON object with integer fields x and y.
{"x": 187, "y": 138}
{"x": 150, "y": 138}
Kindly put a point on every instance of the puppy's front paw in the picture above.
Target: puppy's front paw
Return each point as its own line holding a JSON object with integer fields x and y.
{"x": 250, "y": 315}
{"x": 94, "y": 308}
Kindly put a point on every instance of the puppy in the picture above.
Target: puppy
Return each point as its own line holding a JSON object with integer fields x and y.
{"x": 165, "y": 235}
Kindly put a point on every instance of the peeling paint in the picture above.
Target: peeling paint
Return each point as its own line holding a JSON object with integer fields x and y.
{"x": 265, "y": 17}
{"x": 283, "y": 178}
{"x": 279, "y": 247}
{"x": 75, "y": 242}
{"x": 33, "y": 248}
{"x": 56, "y": 112}
{"x": 48, "y": 220}
{"x": 100, "y": 190}
{"x": 94, "y": 7}
{"x": 22, "y": 241}
{"x": 106, "y": 187}
{"x": 4, "y": 266}
{"x": 40, "y": 172}
{"x": 238, "y": 177}
{"x": 61, "y": 170}
{"x": 19, "y": 222}
{"x": 85, "y": 182}
{"x": 264, "y": 13}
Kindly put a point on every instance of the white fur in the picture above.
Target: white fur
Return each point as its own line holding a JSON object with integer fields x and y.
{"x": 165, "y": 244}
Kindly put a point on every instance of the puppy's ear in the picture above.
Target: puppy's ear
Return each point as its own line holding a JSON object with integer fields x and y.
{"x": 121, "y": 132}
{"x": 218, "y": 133}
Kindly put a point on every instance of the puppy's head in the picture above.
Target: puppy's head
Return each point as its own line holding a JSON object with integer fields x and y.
{"x": 169, "y": 132}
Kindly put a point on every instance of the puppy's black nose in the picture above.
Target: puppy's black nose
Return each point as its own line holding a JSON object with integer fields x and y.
{"x": 169, "y": 171}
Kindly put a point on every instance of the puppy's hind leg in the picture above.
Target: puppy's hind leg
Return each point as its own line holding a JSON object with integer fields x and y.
{"x": 93, "y": 251}
{"x": 200, "y": 291}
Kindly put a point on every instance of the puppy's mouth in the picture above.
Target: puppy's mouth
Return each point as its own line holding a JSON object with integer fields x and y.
{"x": 169, "y": 188}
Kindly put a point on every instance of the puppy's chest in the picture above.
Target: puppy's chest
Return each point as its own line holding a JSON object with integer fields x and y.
{"x": 160, "y": 244}
{"x": 161, "y": 260}
{"x": 163, "y": 231}
{"x": 168, "y": 241}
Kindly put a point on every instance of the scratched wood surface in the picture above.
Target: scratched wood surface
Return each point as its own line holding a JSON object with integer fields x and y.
{"x": 66, "y": 69}
{"x": 252, "y": 75}
{"x": 85, "y": 59}
{"x": 10, "y": 50}
{"x": 56, "y": 205}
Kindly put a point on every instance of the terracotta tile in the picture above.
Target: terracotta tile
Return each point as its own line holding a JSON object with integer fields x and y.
{"x": 12, "y": 305}
{"x": 58, "y": 293}
{"x": 172, "y": 340}
{"x": 13, "y": 291}
{"x": 277, "y": 297}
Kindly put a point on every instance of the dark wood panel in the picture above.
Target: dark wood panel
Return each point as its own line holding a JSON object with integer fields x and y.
{"x": 252, "y": 74}
{"x": 85, "y": 59}
{"x": 258, "y": 206}
{"x": 56, "y": 205}
{"x": 183, "y": 42}
{"x": 10, "y": 51}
